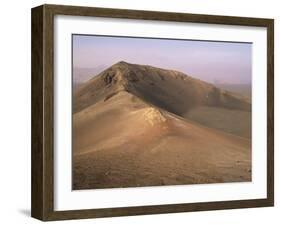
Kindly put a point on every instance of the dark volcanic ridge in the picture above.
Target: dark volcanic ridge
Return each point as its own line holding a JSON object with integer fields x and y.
{"x": 170, "y": 90}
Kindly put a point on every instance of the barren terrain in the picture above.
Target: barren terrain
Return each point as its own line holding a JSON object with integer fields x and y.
{"x": 136, "y": 125}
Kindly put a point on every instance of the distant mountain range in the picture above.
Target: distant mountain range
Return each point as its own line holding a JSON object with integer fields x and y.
{"x": 242, "y": 89}
{"x": 81, "y": 75}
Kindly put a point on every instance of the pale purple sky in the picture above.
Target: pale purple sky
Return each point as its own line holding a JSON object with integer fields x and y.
{"x": 222, "y": 62}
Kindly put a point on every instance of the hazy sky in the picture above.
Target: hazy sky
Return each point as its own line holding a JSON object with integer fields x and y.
{"x": 222, "y": 62}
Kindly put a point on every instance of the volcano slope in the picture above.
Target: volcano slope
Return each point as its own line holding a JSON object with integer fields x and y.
{"x": 137, "y": 125}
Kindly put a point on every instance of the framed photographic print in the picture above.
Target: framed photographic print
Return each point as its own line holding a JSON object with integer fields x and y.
{"x": 141, "y": 112}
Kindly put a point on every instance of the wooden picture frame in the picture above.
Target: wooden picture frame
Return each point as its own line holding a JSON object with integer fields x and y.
{"x": 43, "y": 108}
